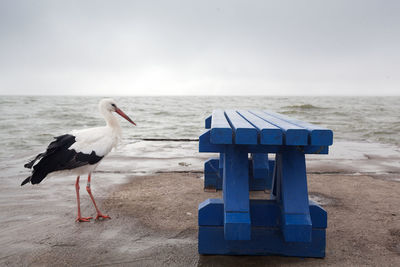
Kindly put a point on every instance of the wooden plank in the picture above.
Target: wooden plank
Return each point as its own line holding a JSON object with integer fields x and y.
{"x": 269, "y": 133}
{"x": 245, "y": 133}
{"x": 260, "y": 165}
{"x": 207, "y": 122}
{"x": 212, "y": 179}
{"x": 236, "y": 179}
{"x": 263, "y": 213}
{"x": 293, "y": 194}
{"x": 221, "y": 131}
{"x": 236, "y": 194}
{"x": 206, "y": 146}
{"x": 293, "y": 134}
{"x": 211, "y": 212}
{"x": 317, "y": 135}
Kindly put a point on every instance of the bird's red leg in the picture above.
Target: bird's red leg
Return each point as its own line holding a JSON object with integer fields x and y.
{"x": 99, "y": 214}
{"x": 80, "y": 218}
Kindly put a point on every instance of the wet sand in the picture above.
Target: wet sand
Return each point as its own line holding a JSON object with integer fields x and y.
{"x": 154, "y": 217}
{"x": 154, "y": 223}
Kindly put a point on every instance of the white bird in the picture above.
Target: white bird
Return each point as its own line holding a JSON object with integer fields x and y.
{"x": 79, "y": 153}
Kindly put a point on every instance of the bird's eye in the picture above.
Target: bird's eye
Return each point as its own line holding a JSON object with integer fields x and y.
{"x": 113, "y": 105}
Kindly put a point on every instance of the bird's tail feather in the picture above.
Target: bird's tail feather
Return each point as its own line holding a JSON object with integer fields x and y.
{"x": 32, "y": 162}
{"x": 27, "y": 180}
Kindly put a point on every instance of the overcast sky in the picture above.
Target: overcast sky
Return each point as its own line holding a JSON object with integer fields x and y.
{"x": 200, "y": 47}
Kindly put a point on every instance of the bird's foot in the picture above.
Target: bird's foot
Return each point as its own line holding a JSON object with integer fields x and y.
{"x": 83, "y": 219}
{"x": 102, "y": 216}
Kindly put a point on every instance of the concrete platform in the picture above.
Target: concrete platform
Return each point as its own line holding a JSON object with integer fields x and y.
{"x": 154, "y": 223}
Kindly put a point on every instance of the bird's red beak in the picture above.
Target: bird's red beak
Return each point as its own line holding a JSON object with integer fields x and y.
{"x": 123, "y": 115}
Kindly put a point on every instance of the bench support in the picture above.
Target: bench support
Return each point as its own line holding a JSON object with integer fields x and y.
{"x": 237, "y": 225}
{"x": 292, "y": 194}
{"x": 266, "y": 234}
{"x": 260, "y": 172}
{"x": 287, "y": 224}
{"x": 212, "y": 176}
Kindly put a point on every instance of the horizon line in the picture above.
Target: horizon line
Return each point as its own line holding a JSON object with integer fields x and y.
{"x": 204, "y": 95}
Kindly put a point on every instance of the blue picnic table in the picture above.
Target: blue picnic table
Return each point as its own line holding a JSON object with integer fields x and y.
{"x": 287, "y": 223}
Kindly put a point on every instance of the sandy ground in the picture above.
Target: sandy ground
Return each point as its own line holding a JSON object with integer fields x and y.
{"x": 154, "y": 223}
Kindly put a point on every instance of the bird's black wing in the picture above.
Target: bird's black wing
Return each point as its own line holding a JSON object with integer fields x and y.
{"x": 59, "y": 157}
{"x": 63, "y": 141}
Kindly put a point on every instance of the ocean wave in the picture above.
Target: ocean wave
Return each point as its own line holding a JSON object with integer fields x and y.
{"x": 304, "y": 106}
{"x": 180, "y": 119}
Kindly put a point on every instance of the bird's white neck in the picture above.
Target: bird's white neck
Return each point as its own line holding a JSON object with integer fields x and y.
{"x": 112, "y": 122}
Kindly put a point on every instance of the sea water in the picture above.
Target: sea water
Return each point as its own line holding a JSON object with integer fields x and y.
{"x": 28, "y": 124}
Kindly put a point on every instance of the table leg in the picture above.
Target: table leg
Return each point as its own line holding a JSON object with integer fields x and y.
{"x": 292, "y": 193}
{"x": 237, "y": 225}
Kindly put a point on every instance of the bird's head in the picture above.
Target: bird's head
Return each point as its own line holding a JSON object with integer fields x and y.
{"x": 109, "y": 105}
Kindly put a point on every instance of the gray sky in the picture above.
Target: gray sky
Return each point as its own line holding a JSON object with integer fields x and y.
{"x": 200, "y": 47}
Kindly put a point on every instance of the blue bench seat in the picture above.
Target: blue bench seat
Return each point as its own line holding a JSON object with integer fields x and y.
{"x": 236, "y": 225}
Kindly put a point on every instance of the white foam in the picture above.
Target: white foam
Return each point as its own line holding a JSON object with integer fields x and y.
{"x": 361, "y": 157}
{"x": 144, "y": 157}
